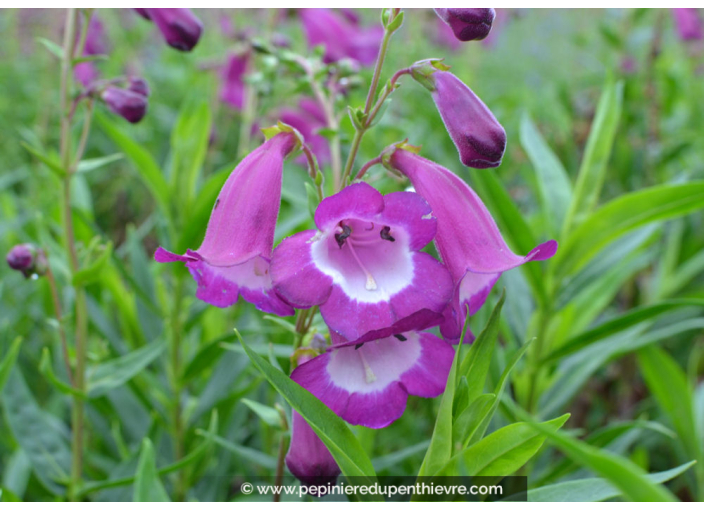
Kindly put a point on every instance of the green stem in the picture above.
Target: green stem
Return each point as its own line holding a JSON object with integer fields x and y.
{"x": 176, "y": 388}
{"x": 359, "y": 134}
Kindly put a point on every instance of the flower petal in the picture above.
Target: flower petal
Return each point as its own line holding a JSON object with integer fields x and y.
{"x": 359, "y": 201}
{"x": 413, "y": 214}
{"x": 369, "y": 386}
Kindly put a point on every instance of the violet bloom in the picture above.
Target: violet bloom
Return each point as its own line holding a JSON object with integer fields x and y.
{"x": 180, "y": 27}
{"x": 689, "y": 24}
{"x": 128, "y": 104}
{"x": 468, "y": 240}
{"x": 232, "y": 87}
{"x": 367, "y": 382}
{"x": 86, "y": 72}
{"x": 478, "y": 136}
{"x": 341, "y": 38}
{"x": 27, "y": 259}
{"x": 234, "y": 257}
{"x": 307, "y": 119}
{"x": 468, "y": 24}
{"x": 363, "y": 266}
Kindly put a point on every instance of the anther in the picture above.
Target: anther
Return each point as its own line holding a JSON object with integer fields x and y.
{"x": 358, "y": 346}
{"x": 340, "y": 238}
{"x": 401, "y": 338}
{"x": 384, "y": 233}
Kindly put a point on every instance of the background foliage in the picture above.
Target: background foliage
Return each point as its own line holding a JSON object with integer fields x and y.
{"x": 604, "y": 116}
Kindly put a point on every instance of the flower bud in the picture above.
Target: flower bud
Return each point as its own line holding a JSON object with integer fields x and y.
{"x": 130, "y": 105}
{"x": 468, "y": 24}
{"x": 138, "y": 85}
{"x": 180, "y": 27}
{"x": 308, "y": 458}
{"x": 28, "y": 259}
{"x": 478, "y": 136}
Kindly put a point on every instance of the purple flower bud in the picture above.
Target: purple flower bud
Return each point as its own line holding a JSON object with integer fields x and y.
{"x": 478, "y": 136}
{"x": 130, "y": 105}
{"x": 688, "y": 24}
{"x": 308, "y": 458}
{"x": 138, "y": 85}
{"x": 468, "y": 24}
{"x": 28, "y": 259}
{"x": 180, "y": 27}
{"x": 307, "y": 119}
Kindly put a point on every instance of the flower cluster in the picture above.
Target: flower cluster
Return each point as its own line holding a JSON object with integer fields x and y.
{"x": 363, "y": 266}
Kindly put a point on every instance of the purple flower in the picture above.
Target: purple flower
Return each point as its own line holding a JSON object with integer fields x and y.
{"x": 28, "y": 259}
{"x": 468, "y": 24}
{"x": 85, "y": 72}
{"x": 308, "y": 458}
{"x": 367, "y": 382}
{"x": 478, "y": 136}
{"x": 232, "y": 87}
{"x": 363, "y": 266}
{"x": 234, "y": 257}
{"x": 128, "y": 104}
{"x": 688, "y": 24}
{"x": 341, "y": 37}
{"x": 180, "y": 27}
{"x": 467, "y": 238}
{"x": 138, "y": 85}
{"x": 307, "y": 119}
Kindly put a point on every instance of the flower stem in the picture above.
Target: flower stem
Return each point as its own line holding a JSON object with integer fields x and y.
{"x": 176, "y": 387}
{"x": 359, "y": 134}
{"x": 59, "y": 317}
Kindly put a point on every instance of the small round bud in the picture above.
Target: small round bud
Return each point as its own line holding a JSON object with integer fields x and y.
{"x": 28, "y": 259}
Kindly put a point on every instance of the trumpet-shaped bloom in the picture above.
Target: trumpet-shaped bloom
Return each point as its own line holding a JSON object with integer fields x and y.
{"x": 232, "y": 87}
{"x": 468, "y": 24}
{"x": 86, "y": 72}
{"x": 688, "y": 23}
{"x": 307, "y": 119}
{"x": 234, "y": 257}
{"x": 367, "y": 381}
{"x": 468, "y": 240}
{"x": 341, "y": 37}
{"x": 478, "y": 136}
{"x": 363, "y": 266}
{"x": 180, "y": 27}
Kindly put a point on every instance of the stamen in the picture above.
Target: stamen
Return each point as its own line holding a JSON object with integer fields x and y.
{"x": 340, "y": 238}
{"x": 368, "y": 373}
{"x": 384, "y": 233}
{"x": 371, "y": 284}
{"x": 358, "y": 346}
{"x": 401, "y": 338}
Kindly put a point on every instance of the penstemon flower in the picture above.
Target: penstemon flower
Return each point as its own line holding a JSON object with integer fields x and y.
{"x": 367, "y": 381}
{"x": 688, "y": 23}
{"x": 180, "y": 27}
{"x": 127, "y": 103}
{"x": 234, "y": 257}
{"x": 467, "y": 238}
{"x": 27, "y": 259}
{"x": 478, "y": 136}
{"x": 468, "y": 24}
{"x": 307, "y": 119}
{"x": 85, "y": 72}
{"x": 232, "y": 87}
{"x": 363, "y": 266}
{"x": 341, "y": 37}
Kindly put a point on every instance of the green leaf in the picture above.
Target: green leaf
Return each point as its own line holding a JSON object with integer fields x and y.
{"x": 51, "y": 162}
{"x": 95, "y": 270}
{"x": 440, "y": 449}
{"x": 88, "y": 165}
{"x": 513, "y": 225}
{"x": 118, "y": 371}
{"x": 596, "y": 155}
{"x": 393, "y": 459}
{"x": 618, "y": 324}
{"x": 189, "y": 145}
{"x": 622, "y": 215}
{"x": 39, "y": 434}
{"x": 467, "y": 423}
{"x": 8, "y": 361}
{"x": 503, "y": 452}
{"x": 621, "y": 472}
{"x": 475, "y": 364}
{"x": 147, "y": 485}
{"x": 330, "y": 428}
{"x": 268, "y": 414}
{"x": 144, "y": 163}
{"x": 594, "y": 489}
{"x": 53, "y": 48}
{"x": 46, "y": 370}
{"x": 248, "y": 454}
{"x": 88, "y": 58}
{"x": 668, "y": 384}
{"x": 554, "y": 185}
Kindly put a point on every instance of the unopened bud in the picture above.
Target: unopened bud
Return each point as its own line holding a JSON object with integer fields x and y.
{"x": 468, "y": 24}
{"x": 130, "y": 105}
{"x": 28, "y": 259}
